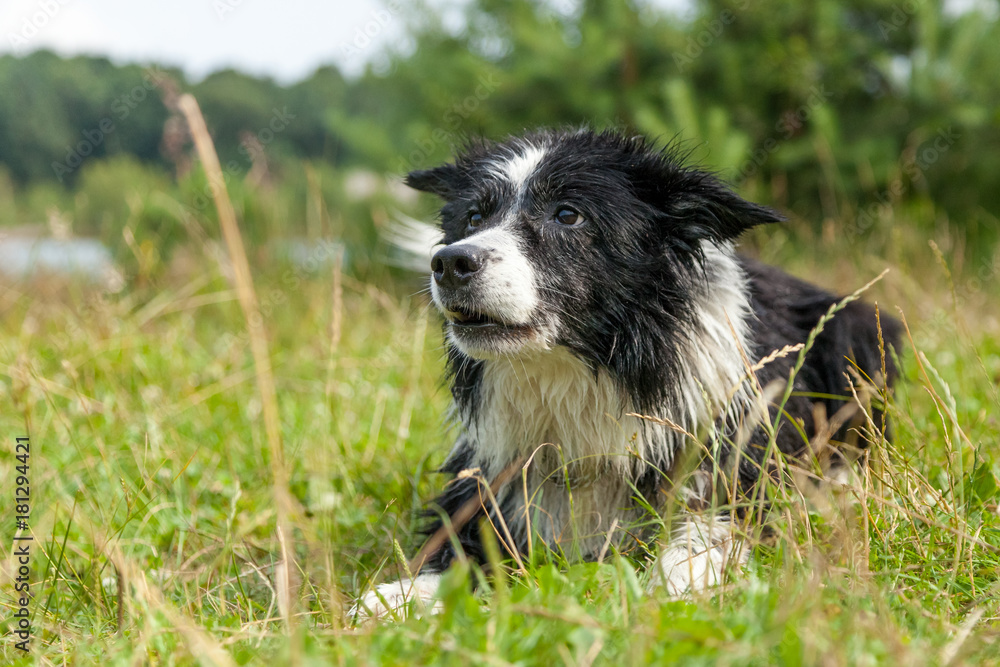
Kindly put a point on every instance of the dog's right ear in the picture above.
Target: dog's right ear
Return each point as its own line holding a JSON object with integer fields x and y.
{"x": 442, "y": 181}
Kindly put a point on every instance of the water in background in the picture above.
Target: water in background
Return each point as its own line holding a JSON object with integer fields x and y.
{"x": 26, "y": 257}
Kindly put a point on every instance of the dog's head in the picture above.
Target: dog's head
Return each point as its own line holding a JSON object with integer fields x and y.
{"x": 573, "y": 238}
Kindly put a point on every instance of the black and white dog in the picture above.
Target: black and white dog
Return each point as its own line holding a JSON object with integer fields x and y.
{"x": 588, "y": 280}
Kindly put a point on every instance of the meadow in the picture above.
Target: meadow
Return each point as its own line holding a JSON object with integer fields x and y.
{"x": 168, "y": 529}
{"x": 235, "y": 437}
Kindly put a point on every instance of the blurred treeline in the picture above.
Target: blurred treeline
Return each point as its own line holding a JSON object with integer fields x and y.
{"x": 865, "y": 112}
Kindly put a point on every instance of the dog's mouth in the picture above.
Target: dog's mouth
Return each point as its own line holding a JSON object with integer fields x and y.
{"x": 462, "y": 317}
{"x": 484, "y": 333}
{"x": 466, "y": 318}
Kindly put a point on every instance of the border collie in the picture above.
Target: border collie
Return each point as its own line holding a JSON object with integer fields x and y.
{"x": 605, "y": 343}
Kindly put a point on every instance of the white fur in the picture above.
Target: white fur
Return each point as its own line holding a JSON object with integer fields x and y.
{"x": 553, "y": 397}
{"x": 714, "y": 360}
{"x": 697, "y": 555}
{"x": 517, "y": 169}
{"x": 397, "y": 594}
{"x": 553, "y": 403}
{"x": 505, "y": 290}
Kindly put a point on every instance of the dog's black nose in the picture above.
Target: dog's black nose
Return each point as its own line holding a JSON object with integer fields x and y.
{"x": 455, "y": 265}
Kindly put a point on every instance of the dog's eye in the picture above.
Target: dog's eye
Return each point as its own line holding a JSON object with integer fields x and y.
{"x": 568, "y": 217}
{"x": 475, "y": 219}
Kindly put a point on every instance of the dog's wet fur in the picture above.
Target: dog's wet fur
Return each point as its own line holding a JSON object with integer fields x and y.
{"x": 586, "y": 278}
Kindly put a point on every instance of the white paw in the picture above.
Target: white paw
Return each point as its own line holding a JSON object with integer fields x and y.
{"x": 697, "y": 556}
{"x": 392, "y": 598}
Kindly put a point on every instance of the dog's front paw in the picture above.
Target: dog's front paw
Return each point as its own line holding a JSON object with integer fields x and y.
{"x": 392, "y": 598}
{"x": 697, "y": 556}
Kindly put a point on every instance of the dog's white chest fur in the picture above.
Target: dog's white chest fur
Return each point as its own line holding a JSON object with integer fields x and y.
{"x": 554, "y": 401}
{"x": 572, "y": 426}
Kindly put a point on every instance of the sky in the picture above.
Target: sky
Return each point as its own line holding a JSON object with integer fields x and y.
{"x": 285, "y": 39}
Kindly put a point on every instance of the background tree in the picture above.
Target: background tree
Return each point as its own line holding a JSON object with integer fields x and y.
{"x": 837, "y": 109}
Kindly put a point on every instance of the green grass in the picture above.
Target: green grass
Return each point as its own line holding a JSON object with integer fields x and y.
{"x": 154, "y": 519}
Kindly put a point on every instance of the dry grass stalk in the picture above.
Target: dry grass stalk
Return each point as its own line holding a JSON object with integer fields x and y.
{"x": 201, "y": 645}
{"x": 336, "y": 324}
{"x": 461, "y": 517}
{"x": 251, "y": 312}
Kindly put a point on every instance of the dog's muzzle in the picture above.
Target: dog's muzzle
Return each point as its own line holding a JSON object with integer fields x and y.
{"x": 484, "y": 287}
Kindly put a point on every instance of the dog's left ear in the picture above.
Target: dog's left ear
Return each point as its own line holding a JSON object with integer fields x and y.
{"x": 442, "y": 181}
{"x": 712, "y": 210}
{"x": 695, "y": 204}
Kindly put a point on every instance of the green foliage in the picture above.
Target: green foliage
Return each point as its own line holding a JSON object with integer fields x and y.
{"x": 116, "y": 194}
{"x": 67, "y": 111}
{"x": 829, "y": 109}
{"x": 824, "y": 108}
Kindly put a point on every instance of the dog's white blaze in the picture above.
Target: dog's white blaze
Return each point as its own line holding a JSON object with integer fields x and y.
{"x": 397, "y": 594}
{"x": 519, "y": 168}
{"x": 697, "y": 555}
{"x": 506, "y": 284}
